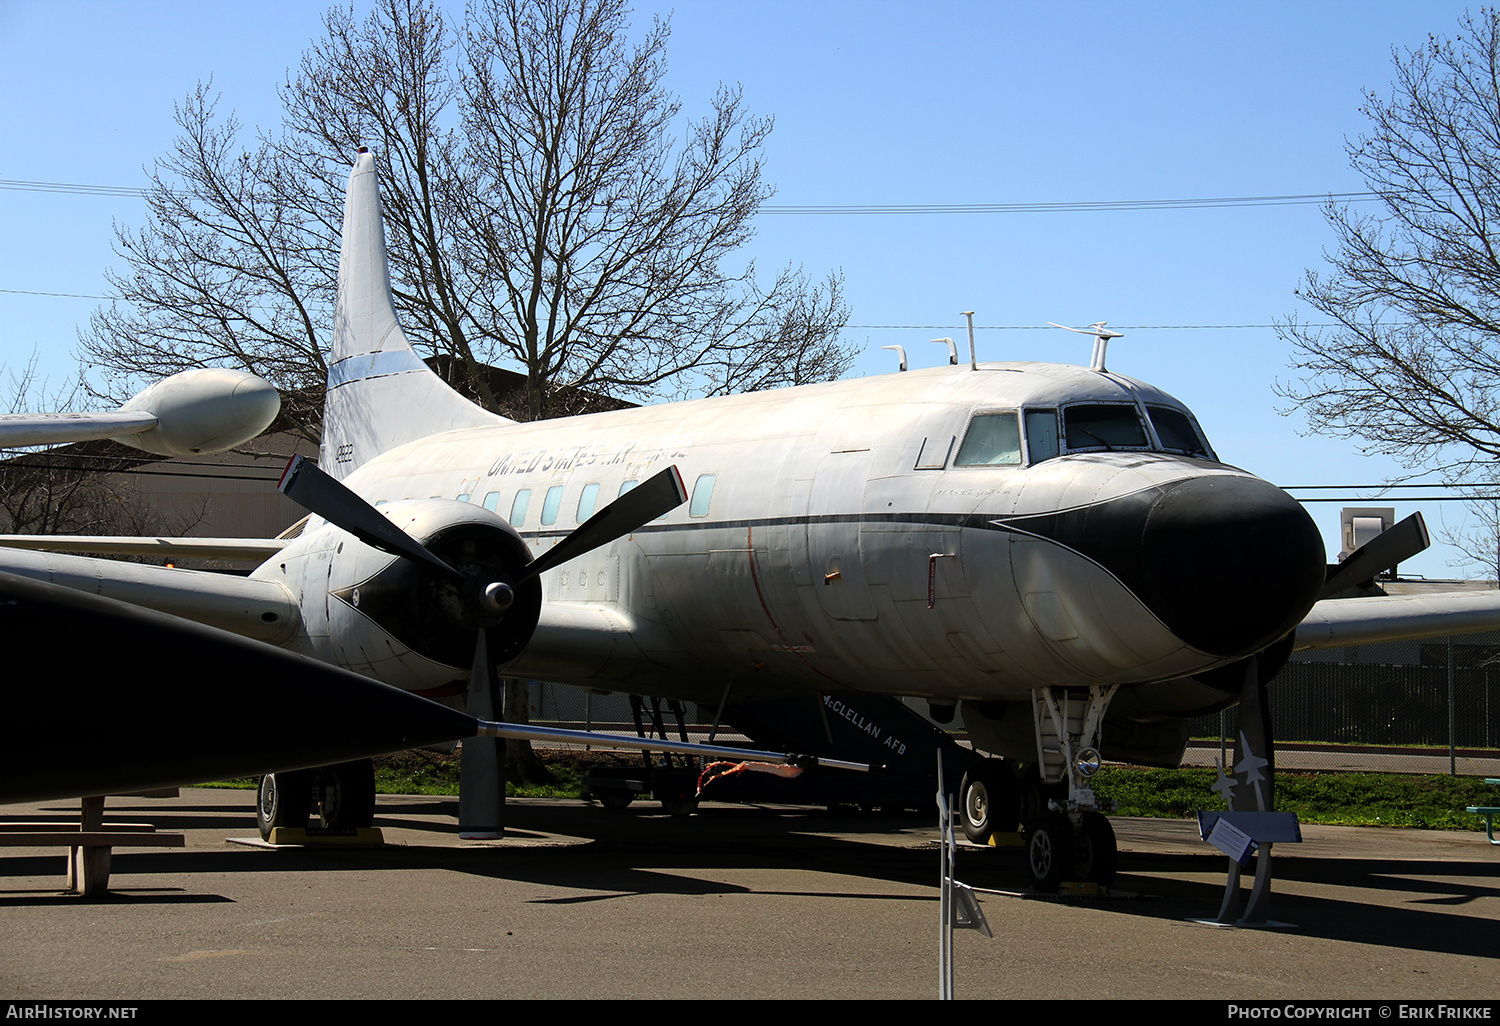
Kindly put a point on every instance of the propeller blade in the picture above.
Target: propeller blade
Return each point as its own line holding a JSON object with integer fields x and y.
{"x": 1382, "y": 552}
{"x": 641, "y": 505}
{"x": 312, "y": 489}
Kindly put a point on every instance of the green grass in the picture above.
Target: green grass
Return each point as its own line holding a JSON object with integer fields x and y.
{"x": 422, "y": 772}
{"x": 1353, "y": 799}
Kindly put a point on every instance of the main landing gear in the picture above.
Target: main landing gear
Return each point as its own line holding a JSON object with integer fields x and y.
{"x": 342, "y": 794}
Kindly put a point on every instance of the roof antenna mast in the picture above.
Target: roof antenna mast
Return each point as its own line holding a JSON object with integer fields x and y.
{"x": 1101, "y": 334}
{"x": 969, "y": 316}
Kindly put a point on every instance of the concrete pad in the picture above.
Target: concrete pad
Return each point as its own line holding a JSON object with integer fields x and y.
{"x": 735, "y": 902}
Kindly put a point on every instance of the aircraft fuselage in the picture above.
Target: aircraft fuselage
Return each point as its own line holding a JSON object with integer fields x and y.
{"x": 949, "y": 533}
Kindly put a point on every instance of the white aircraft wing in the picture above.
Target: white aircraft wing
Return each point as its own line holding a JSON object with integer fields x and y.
{"x": 260, "y": 609}
{"x": 1335, "y": 623}
{"x": 259, "y": 549}
{"x": 22, "y": 429}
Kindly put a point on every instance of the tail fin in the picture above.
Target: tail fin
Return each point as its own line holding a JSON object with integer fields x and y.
{"x": 380, "y": 393}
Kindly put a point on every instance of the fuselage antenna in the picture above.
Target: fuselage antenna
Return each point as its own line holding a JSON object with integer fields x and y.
{"x": 973, "y": 360}
{"x": 901, "y": 352}
{"x": 952, "y": 350}
{"x": 1101, "y": 334}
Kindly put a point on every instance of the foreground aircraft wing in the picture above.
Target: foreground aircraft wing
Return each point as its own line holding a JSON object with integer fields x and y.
{"x": 1335, "y": 623}
{"x": 259, "y": 549}
{"x": 95, "y": 737}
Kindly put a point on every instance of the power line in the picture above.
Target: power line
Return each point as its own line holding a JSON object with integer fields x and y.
{"x": 1053, "y": 327}
{"x": 63, "y": 295}
{"x": 1071, "y": 206}
{"x": 1066, "y": 206}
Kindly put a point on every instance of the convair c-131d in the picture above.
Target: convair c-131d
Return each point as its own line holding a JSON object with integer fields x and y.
{"x": 1055, "y": 550}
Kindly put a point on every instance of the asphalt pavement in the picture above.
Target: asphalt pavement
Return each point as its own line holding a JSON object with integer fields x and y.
{"x": 734, "y": 902}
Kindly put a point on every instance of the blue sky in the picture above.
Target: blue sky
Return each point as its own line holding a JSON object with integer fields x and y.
{"x": 875, "y": 103}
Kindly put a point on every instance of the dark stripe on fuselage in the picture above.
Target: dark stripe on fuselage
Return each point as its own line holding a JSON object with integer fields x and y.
{"x": 1229, "y": 564}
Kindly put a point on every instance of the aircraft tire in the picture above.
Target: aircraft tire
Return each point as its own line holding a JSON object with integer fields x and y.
{"x": 1095, "y": 852}
{"x": 346, "y": 795}
{"x": 1049, "y": 851}
{"x": 989, "y": 800}
{"x": 615, "y": 799}
{"x": 283, "y": 800}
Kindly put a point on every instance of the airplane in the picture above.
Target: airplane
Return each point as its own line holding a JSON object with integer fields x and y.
{"x": 1057, "y": 551}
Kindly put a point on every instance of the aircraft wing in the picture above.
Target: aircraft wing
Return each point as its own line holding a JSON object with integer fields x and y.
{"x": 22, "y": 429}
{"x": 259, "y": 549}
{"x": 259, "y": 609}
{"x": 1335, "y": 623}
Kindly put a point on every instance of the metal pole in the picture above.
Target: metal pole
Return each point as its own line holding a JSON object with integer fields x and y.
{"x": 1452, "y": 758}
{"x": 1222, "y": 752}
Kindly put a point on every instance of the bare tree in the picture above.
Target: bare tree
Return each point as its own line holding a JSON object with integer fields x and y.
{"x": 223, "y": 273}
{"x": 538, "y": 210}
{"x": 1476, "y": 541}
{"x": 605, "y": 242}
{"x": 1413, "y": 366}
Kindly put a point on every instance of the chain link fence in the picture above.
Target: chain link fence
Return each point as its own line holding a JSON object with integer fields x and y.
{"x": 1402, "y": 707}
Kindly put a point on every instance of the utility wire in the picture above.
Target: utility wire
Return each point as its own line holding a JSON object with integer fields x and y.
{"x": 1067, "y": 206}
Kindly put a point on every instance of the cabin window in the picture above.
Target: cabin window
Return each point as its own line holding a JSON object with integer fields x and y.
{"x": 1041, "y": 435}
{"x": 1103, "y": 426}
{"x": 703, "y": 493}
{"x": 550, "y": 505}
{"x": 626, "y": 487}
{"x": 993, "y": 439}
{"x": 517, "y": 506}
{"x": 1176, "y": 432}
{"x": 492, "y": 501}
{"x": 587, "y": 501}
{"x": 463, "y": 496}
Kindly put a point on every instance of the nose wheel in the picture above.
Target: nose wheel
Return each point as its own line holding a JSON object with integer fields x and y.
{"x": 1059, "y": 850}
{"x": 1067, "y": 837}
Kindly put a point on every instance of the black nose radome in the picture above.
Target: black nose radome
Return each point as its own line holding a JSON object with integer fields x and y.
{"x": 1229, "y": 564}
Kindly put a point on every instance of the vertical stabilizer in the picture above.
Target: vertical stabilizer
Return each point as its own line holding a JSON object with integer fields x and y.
{"x": 380, "y": 393}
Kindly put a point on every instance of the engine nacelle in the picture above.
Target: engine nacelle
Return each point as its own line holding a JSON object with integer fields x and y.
{"x": 205, "y": 410}
{"x": 402, "y": 622}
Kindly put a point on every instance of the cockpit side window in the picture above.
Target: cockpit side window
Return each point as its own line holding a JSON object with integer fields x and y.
{"x": 1176, "y": 432}
{"x": 993, "y": 439}
{"x": 1109, "y": 427}
{"x": 1041, "y": 435}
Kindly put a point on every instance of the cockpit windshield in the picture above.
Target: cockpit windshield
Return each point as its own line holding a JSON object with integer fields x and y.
{"x": 1176, "y": 432}
{"x": 999, "y": 438}
{"x": 1103, "y": 426}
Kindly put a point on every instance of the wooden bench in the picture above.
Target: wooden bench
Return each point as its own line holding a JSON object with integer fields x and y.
{"x": 89, "y": 843}
{"x": 1488, "y": 812}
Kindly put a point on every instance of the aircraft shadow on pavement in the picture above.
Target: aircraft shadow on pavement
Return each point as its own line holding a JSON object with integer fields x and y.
{"x": 609, "y": 854}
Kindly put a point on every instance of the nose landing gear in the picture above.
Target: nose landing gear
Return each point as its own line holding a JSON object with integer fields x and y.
{"x": 1069, "y": 838}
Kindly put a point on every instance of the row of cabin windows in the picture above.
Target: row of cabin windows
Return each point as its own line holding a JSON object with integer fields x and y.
{"x": 994, "y": 439}
{"x": 588, "y": 501}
